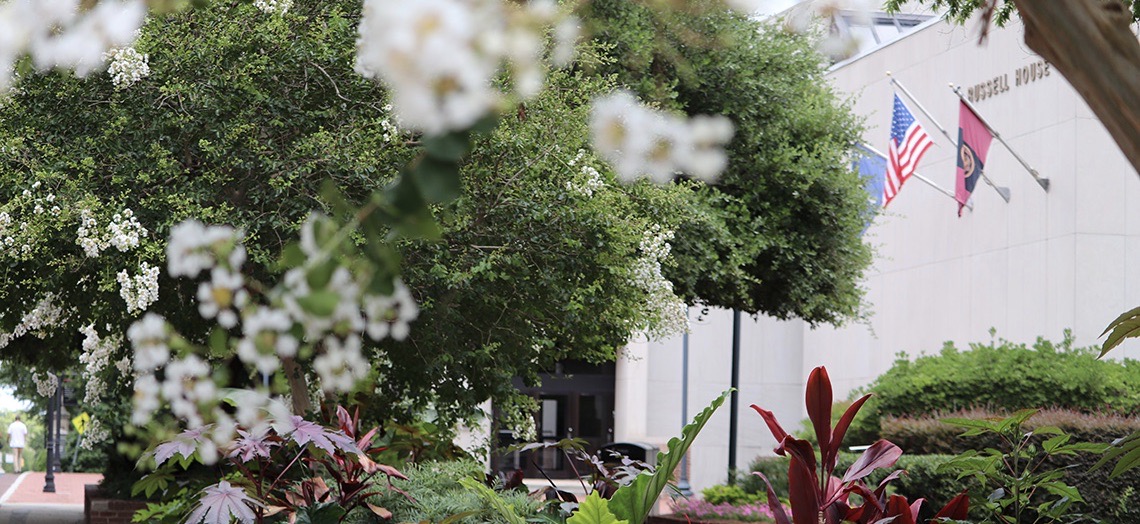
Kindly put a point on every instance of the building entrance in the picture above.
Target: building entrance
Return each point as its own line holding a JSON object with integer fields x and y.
{"x": 575, "y": 401}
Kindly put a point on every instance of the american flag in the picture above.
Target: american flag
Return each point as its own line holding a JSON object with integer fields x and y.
{"x": 908, "y": 143}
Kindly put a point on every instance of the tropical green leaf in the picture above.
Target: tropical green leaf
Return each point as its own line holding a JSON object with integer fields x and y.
{"x": 594, "y": 510}
{"x": 634, "y": 501}
{"x": 1122, "y": 449}
{"x": 1063, "y": 490}
{"x": 1051, "y": 445}
{"x": 151, "y": 484}
{"x": 1127, "y": 325}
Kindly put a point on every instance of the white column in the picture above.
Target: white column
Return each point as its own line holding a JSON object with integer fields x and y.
{"x": 631, "y": 390}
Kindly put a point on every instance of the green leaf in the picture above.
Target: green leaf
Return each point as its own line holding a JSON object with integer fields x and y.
{"x": 595, "y": 510}
{"x": 486, "y": 124}
{"x": 335, "y": 199}
{"x": 410, "y": 215}
{"x": 450, "y": 147}
{"x": 1121, "y": 447}
{"x": 219, "y": 342}
{"x": 322, "y": 513}
{"x": 1127, "y": 325}
{"x": 319, "y": 275}
{"x": 971, "y": 423}
{"x": 1130, "y": 460}
{"x": 1063, "y": 490}
{"x": 319, "y": 303}
{"x": 438, "y": 180}
{"x": 151, "y": 484}
{"x": 634, "y": 501}
{"x": 292, "y": 256}
{"x": 1051, "y": 445}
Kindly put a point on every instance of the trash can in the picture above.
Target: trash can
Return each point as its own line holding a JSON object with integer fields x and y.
{"x": 638, "y": 451}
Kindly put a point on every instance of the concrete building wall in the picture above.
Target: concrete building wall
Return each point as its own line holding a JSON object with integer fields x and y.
{"x": 1033, "y": 267}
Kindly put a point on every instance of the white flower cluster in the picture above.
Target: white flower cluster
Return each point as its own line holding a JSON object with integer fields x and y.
{"x": 639, "y": 141}
{"x": 333, "y": 313}
{"x": 273, "y": 6}
{"x": 667, "y": 314}
{"x": 439, "y": 57}
{"x": 94, "y": 435}
{"x": 95, "y": 358}
{"x": 57, "y": 33}
{"x": 45, "y": 383}
{"x": 22, "y": 238}
{"x": 189, "y": 386}
{"x": 37, "y": 321}
{"x": 591, "y": 179}
{"x": 141, "y": 290}
{"x": 223, "y": 296}
{"x": 391, "y": 129}
{"x": 86, "y": 235}
{"x": 124, "y": 232}
{"x": 391, "y": 316}
{"x": 194, "y": 247}
{"x": 187, "y": 382}
{"x": 266, "y": 338}
{"x": 127, "y": 66}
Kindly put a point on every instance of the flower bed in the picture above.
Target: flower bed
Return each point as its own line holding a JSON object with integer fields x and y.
{"x": 693, "y": 510}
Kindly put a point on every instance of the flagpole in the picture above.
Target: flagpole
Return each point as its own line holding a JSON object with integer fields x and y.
{"x": 928, "y": 181}
{"x": 1043, "y": 182}
{"x": 1003, "y": 191}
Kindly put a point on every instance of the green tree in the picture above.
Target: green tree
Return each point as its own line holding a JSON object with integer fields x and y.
{"x": 781, "y": 232}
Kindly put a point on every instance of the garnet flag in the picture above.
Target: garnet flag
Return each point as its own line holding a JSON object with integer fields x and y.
{"x": 908, "y": 143}
{"x": 974, "y": 140}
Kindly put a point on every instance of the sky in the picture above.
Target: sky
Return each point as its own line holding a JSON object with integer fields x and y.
{"x": 8, "y": 402}
{"x": 775, "y": 6}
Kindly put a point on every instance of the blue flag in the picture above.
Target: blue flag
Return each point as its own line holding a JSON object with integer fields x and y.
{"x": 873, "y": 169}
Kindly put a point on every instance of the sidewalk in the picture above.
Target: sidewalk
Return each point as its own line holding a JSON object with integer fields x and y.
{"x": 24, "y": 501}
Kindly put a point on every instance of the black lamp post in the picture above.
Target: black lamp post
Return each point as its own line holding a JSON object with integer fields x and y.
{"x": 50, "y": 427}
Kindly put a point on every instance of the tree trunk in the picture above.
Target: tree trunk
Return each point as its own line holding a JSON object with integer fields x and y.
{"x": 298, "y": 387}
{"x": 1091, "y": 42}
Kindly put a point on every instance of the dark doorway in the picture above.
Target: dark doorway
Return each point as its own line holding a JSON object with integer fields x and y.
{"x": 576, "y": 400}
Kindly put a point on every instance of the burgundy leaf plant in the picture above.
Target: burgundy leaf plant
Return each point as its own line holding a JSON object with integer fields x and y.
{"x": 816, "y": 494}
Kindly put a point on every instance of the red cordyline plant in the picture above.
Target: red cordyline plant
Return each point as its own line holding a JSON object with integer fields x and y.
{"x": 817, "y": 496}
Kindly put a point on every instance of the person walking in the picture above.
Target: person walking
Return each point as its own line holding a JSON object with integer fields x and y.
{"x": 17, "y": 439}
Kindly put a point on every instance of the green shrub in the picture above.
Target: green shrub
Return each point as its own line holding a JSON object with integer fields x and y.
{"x": 928, "y": 434}
{"x": 1002, "y": 376}
{"x": 734, "y": 495}
{"x": 775, "y": 468}
{"x": 1106, "y": 499}
{"x": 434, "y": 494}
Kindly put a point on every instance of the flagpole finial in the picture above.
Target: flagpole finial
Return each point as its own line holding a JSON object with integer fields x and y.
{"x": 888, "y": 73}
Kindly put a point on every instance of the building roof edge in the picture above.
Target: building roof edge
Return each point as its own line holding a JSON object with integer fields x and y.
{"x": 935, "y": 20}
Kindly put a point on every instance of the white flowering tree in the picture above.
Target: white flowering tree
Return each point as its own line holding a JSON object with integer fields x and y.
{"x": 472, "y": 223}
{"x": 95, "y": 193}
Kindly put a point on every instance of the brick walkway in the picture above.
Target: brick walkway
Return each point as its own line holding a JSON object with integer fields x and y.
{"x": 24, "y": 501}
